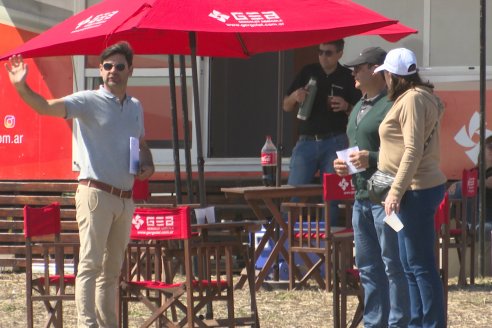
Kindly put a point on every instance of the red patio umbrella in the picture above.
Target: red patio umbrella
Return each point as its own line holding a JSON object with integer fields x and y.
{"x": 392, "y": 33}
{"x": 238, "y": 28}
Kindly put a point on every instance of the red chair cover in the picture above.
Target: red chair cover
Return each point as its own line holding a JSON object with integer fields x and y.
{"x": 442, "y": 214}
{"x": 469, "y": 183}
{"x": 336, "y": 187}
{"x": 161, "y": 223}
{"x": 141, "y": 190}
{"x": 40, "y": 221}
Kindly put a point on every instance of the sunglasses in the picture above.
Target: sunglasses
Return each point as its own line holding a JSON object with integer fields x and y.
{"x": 327, "y": 53}
{"x": 359, "y": 67}
{"x": 109, "y": 66}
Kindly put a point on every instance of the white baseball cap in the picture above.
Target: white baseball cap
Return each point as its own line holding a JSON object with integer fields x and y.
{"x": 399, "y": 61}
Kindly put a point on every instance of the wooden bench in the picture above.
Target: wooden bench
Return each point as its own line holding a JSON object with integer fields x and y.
{"x": 15, "y": 194}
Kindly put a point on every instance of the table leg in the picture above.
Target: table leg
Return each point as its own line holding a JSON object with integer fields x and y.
{"x": 263, "y": 272}
{"x": 250, "y": 266}
{"x": 269, "y": 233}
{"x": 279, "y": 228}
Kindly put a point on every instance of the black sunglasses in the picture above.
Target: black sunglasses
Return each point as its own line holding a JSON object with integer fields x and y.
{"x": 357, "y": 68}
{"x": 327, "y": 53}
{"x": 109, "y": 66}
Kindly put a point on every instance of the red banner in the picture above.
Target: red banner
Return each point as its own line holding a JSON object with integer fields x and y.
{"x": 337, "y": 188}
{"x": 469, "y": 183}
{"x": 161, "y": 223}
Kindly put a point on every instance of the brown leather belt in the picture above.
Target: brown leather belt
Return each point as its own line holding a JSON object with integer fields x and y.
{"x": 107, "y": 188}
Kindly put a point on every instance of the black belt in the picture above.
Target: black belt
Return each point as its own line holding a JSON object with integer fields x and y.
{"x": 318, "y": 137}
{"x": 107, "y": 188}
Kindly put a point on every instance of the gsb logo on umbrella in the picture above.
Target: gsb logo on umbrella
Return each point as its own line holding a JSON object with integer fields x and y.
{"x": 219, "y": 16}
{"x": 94, "y": 21}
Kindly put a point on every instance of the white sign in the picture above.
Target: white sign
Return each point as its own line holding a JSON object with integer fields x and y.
{"x": 248, "y": 18}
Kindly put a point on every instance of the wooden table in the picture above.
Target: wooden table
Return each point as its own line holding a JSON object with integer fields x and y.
{"x": 233, "y": 226}
{"x": 271, "y": 198}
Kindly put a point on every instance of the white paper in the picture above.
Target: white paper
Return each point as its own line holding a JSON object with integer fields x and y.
{"x": 200, "y": 215}
{"x": 210, "y": 214}
{"x": 394, "y": 222}
{"x": 344, "y": 155}
{"x": 205, "y": 215}
{"x": 134, "y": 155}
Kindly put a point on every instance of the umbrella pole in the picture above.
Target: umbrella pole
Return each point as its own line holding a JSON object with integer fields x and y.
{"x": 186, "y": 130}
{"x": 198, "y": 126}
{"x": 482, "y": 194}
{"x": 280, "y": 116}
{"x": 174, "y": 119}
{"x": 280, "y": 147}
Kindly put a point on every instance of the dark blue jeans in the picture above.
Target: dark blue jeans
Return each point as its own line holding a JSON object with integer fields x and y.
{"x": 309, "y": 157}
{"x": 386, "y": 299}
{"x": 416, "y": 243}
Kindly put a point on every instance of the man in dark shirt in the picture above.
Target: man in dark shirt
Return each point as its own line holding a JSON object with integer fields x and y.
{"x": 323, "y": 132}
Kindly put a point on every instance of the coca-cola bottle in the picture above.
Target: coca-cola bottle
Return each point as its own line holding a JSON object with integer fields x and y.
{"x": 269, "y": 162}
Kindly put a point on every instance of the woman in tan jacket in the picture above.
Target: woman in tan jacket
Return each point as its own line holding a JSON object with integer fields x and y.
{"x": 410, "y": 151}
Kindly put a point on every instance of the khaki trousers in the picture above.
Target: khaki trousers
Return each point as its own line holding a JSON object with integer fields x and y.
{"x": 104, "y": 222}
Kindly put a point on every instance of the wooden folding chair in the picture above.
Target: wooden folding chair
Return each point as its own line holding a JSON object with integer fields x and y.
{"x": 42, "y": 231}
{"x": 441, "y": 225}
{"x": 346, "y": 281}
{"x": 461, "y": 231}
{"x": 310, "y": 232}
{"x": 207, "y": 272}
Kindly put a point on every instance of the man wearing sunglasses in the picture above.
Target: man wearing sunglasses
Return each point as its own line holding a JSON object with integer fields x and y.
{"x": 323, "y": 132}
{"x": 108, "y": 121}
